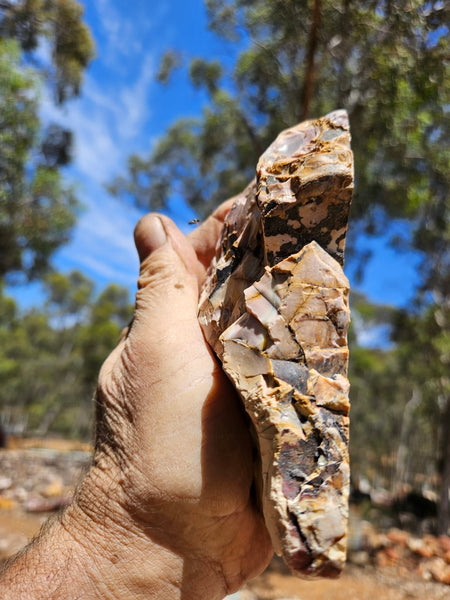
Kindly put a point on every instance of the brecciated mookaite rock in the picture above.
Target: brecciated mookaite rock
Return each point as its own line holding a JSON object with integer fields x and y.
{"x": 275, "y": 310}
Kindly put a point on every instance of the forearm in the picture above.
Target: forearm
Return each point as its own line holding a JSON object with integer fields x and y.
{"x": 53, "y": 566}
{"x": 76, "y": 556}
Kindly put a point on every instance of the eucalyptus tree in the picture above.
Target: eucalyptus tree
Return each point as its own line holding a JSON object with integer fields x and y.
{"x": 37, "y": 208}
{"x": 385, "y": 62}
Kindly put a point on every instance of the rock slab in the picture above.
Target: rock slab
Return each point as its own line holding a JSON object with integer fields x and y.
{"x": 275, "y": 310}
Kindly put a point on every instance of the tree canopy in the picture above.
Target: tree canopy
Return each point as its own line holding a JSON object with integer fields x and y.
{"x": 60, "y": 23}
{"x": 385, "y": 63}
{"x": 50, "y": 356}
{"x": 37, "y": 208}
{"x": 382, "y": 61}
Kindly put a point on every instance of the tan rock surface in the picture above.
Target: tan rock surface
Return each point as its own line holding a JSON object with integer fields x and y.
{"x": 275, "y": 310}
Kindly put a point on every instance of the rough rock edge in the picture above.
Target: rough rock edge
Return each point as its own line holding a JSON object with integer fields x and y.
{"x": 275, "y": 309}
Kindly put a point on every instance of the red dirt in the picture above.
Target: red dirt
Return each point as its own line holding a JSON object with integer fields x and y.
{"x": 48, "y": 473}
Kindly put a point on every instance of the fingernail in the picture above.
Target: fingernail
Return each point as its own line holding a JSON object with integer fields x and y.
{"x": 149, "y": 235}
{"x": 156, "y": 233}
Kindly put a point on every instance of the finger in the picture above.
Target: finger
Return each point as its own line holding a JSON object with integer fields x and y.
{"x": 153, "y": 232}
{"x": 160, "y": 375}
{"x": 164, "y": 324}
{"x": 204, "y": 238}
{"x": 166, "y": 361}
{"x": 165, "y": 321}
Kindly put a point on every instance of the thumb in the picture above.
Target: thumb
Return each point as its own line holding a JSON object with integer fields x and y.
{"x": 154, "y": 232}
{"x": 165, "y": 255}
{"x": 167, "y": 298}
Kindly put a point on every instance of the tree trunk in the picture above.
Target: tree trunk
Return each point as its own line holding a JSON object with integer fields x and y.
{"x": 401, "y": 466}
{"x": 444, "y": 497}
{"x": 308, "y": 86}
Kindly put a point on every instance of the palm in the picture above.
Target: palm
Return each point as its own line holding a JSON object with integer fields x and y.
{"x": 188, "y": 447}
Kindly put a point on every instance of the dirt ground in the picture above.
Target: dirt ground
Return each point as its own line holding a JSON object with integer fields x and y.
{"x": 355, "y": 583}
{"x": 368, "y": 583}
{"x": 26, "y": 474}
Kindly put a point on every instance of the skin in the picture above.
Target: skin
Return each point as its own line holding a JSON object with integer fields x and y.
{"x": 166, "y": 509}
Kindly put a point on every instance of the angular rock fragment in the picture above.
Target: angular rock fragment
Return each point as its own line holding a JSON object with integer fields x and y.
{"x": 275, "y": 310}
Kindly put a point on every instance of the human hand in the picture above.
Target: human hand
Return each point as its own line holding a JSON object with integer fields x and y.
{"x": 166, "y": 511}
{"x": 173, "y": 465}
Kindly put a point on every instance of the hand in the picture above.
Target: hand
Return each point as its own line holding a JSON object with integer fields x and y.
{"x": 167, "y": 511}
{"x": 171, "y": 429}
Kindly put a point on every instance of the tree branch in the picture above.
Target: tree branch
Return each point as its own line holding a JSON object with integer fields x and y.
{"x": 309, "y": 81}
{"x": 256, "y": 142}
{"x": 6, "y": 5}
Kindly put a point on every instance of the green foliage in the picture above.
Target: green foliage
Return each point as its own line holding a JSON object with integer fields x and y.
{"x": 423, "y": 347}
{"x": 376, "y": 413}
{"x": 50, "y": 358}
{"x": 68, "y": 295}
{"x": 205, "y": 74}
{"x": 60, "y": 23}
{"x": 37, "y": 209}
{"x": 170, "y": 61}
{"x": 370, "y": 313}
{"x": 383, "y": 62}
{"x": 18, "y": 108}
{"x": 400, "y": 401}
{"x": 386, "y": 64}
{"x": 108, "y": 315}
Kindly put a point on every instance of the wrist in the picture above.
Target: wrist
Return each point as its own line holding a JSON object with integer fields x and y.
{"x": 125, "y": 558}
{"x": 94, "y": 551}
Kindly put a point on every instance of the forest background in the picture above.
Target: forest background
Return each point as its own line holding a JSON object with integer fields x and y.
{"x": 107, "y": 112}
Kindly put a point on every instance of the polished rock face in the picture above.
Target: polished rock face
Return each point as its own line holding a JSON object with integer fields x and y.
{"x": 275, "y": 310}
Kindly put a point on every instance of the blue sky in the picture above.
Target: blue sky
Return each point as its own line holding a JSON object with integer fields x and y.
{"x": 122, "y": 110}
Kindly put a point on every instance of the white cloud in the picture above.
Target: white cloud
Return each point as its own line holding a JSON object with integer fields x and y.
{"x": 369, "y": 334}
{"x": 110, "y": 120}
{"x": 120, "y": 31}
{"x": 102, "y": 245}
{"x": 135, "y": 100}
{"x": 97, "y": 154}
{"x": 106, "y": 122}
{"x": 111, "y": 222}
